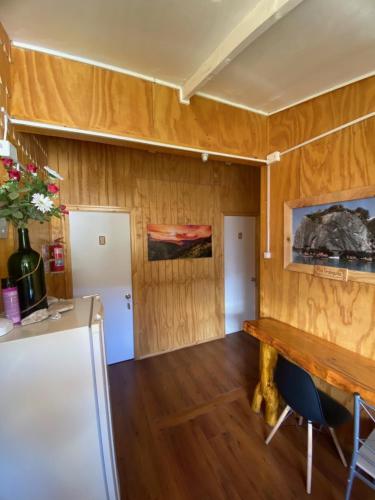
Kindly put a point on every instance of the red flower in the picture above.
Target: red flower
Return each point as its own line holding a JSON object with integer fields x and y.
{"x": 7, "y": 162}
{"x": 14, "y": 175}
{"x": 32, "y": 168}
{"x": 63, "y": 210}
{"x": 52, "y": 188}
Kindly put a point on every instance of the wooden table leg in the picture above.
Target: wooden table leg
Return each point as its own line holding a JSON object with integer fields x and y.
{"x": 266, "y": 388}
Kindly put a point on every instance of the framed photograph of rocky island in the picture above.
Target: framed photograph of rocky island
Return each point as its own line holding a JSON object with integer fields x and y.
{"x": 332, "y": 235}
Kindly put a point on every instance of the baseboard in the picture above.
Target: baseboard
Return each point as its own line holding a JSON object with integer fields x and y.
{"x": 158, "y": 353}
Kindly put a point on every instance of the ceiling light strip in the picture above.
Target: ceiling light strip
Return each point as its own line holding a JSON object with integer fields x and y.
{"x": 136, "y": 140}
{"x": 329, "y": 132}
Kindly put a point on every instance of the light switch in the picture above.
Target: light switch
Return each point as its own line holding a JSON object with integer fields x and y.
{"x": 240, "y": 236}
{"x": 101, "y": 240}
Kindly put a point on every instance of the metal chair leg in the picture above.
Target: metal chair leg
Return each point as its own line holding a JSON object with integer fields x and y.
{"x": 350, "y": 483}
{"x": 338, "y": 447}
{"x": 285, "y": 414}
{"x": 309, "y": 455}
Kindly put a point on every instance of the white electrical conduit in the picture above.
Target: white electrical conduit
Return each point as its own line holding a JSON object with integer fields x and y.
{"x": 332, "y": 131}
{"x": 135, "y": 140}
{"x": 6, "y": 119}
{"x": 267, "y": 253}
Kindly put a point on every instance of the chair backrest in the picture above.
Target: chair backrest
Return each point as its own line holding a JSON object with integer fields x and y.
{"x": 363, "y": 458}
{"x": 298, "y": 390}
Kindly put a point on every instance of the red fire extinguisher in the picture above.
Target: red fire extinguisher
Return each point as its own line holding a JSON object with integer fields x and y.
{"x": 56, "y": 256}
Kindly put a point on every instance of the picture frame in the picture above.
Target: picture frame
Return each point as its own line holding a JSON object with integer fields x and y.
{"x": 178, "y": 241}
{"x": 340, "y": 265}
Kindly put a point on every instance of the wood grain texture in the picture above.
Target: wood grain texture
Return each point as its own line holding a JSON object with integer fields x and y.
{"x": 176, "y": 302}
{"x": 86, "y": 97}
{"x": 339, "y": 367}
{"x": 313, "y": 117}
{"x": 93, "y": 98}
{"x": 208, "y": 124}
{"x": 177, "y": 438}
{"x": 29, "y": 148}
{"x": 340, "y": 312}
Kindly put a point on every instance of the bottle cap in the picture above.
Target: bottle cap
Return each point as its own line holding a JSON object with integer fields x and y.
{"x": 7, "y": 283}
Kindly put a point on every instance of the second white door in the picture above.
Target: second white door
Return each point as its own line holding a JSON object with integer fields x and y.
{"x": 101, "y": 263}
{"x": 239, "y": 271}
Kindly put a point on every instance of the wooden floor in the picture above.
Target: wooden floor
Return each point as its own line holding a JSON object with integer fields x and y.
{"x": 184, "y": 430}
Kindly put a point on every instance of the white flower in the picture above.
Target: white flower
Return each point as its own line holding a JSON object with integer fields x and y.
{"x": 42, "y": 203}
{"x": 53, "y": 173}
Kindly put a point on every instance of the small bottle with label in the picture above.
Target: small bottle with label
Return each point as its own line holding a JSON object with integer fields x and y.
{"x": 10, "y": 300}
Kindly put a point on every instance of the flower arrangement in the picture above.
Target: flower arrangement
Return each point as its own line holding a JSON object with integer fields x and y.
{"x": 28, "y": 194}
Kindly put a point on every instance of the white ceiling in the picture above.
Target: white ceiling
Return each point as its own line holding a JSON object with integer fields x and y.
{"x": 319, "y": 45}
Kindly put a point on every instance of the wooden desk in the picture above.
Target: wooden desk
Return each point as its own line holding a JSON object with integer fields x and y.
{"x": 339, "y": 367}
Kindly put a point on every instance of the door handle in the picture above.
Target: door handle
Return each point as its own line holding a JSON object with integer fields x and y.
{"x": 128, "y": 296}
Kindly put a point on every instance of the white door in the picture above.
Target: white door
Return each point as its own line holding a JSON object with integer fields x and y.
{"x": 239, "y": 271}
{"x": 101, "y": 263}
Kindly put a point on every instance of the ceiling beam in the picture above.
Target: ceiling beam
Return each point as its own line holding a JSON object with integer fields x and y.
{"x": 261, "y": 17}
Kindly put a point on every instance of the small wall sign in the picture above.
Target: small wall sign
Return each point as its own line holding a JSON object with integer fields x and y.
{"x": 331, "y": 273}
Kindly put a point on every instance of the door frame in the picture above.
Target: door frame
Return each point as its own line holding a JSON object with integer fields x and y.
{"x": 256, "y": 216}
{"x": 68, "y": 256}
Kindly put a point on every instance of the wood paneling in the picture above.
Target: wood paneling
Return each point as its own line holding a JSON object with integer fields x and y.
{"x": 59, "y": 91}
{"x": 93, "y": 98}
{"x": 29, "y": 148}
{"x": 208, "y": 124}
{"x": 340, "y": 312}
{"x": 313, "y": 117}
{"x": 180, "y": 302}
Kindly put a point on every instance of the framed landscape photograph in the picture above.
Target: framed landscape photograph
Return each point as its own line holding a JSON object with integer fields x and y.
{"x": 332, "y": 235}
{"x": 167, "y": 241}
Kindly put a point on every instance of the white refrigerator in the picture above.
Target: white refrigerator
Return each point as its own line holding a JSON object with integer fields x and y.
{"x": 55, "y": 420}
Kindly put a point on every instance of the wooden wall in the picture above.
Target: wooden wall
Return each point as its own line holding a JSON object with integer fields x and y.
{"x": 177, "y": 303}
{"x": 343, "y": 313}
{"x": 54, "y": 90}
{"x": 29, "y": 148}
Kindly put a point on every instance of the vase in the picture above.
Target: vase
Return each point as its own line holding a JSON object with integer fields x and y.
{"x": 26, "y": 267}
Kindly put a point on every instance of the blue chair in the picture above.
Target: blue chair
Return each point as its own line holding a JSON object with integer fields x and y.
{"x": 363, "y": 458}
{"x": 298, "y": 390}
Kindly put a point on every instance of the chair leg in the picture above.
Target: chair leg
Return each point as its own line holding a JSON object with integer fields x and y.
{"x": 350, "y": 483}
{"x": 309, "y": 455}
{"x": 283, "y": 416}
{"x": 338, "y": 447}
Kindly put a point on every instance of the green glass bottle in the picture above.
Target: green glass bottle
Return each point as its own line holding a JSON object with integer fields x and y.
{"x": 26, "y": 267}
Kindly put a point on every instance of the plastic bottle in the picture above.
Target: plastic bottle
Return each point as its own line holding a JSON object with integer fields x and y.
{"x": 10, "y": 300}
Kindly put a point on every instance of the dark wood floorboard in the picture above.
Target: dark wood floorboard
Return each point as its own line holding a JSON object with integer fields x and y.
{"x": 184, "y": 430}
